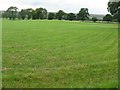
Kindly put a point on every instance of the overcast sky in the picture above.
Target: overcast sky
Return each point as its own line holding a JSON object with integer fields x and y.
{"x": 95, "y": 6}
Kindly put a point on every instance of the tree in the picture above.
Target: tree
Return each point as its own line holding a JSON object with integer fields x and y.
{"x": 23, "y": 13}
{"x": 71, "y": 16}
{"x": 94, "y": 19}
{"x": 29, "y": 13}
{"x": 19, "y": 15}
{"x": 41, "y": 13}
{"x": 5, "y": 14}
{"x": 12, "y": 12}
{"x": 34, "y": 15}
{"x": 83, "y": 14}
{"x": 38, "y": 13}
{"x": 65, "y": 16}
{"x": 51, "y": 16}
{"x": 60, "y": 15}
{"x": 108, "y": 18}
{"x": 44, "y": 12}
{"x": 113, "y": 8}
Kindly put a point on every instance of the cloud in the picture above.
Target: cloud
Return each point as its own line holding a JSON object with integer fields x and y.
{"x": 95, "y": 6}
{"x": 114, "y": 0}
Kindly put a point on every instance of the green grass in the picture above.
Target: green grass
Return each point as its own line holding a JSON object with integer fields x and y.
{"x": 50, "y": 54}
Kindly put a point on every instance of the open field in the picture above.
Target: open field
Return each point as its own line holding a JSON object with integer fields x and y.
{"x": 59, "y": 54}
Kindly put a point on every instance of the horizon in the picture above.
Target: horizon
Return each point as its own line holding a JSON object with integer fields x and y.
{"x": 67, "y": 6}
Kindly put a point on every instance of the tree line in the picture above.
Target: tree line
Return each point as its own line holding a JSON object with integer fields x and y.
{"x": 41, "y": 13}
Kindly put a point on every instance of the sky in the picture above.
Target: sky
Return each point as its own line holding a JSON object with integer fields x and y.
{"x": 94, "y": 6}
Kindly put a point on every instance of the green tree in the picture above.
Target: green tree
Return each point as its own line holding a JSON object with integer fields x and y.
{"x": 29, "y": 13}
{"x": 107, "y": 18}
{"x": 44, "y": 12}
{"x": 60, "y": 14}
{"x": 23, "y": 13}
{"x": 19, "y": 15}
{"x": 41, "y": 13}
{"x": 38, "y": 13}
{"x": 65, "y": 16}
{"x": 51, "y": 16}
{"x": 12, "y": 12}
{"x": 5, "y": 14}
{"x": 94, "y": 19}
{"x": 71, "y": 16}
{"x": 113, "y": 8}
{"x": 34, "y": 15}
{"x": 83, "y": 14}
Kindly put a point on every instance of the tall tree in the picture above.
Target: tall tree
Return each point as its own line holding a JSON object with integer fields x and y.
{"x": 34, "y": 15}
{"x": 108, "y": 18}
{"x": 23, "y": 13}
{"x": 29, "y": 13}
{"x": 114, "y": 9}
{"x": 41, "y": 13}
{"x": 12, "y": 12}
{"x": 38, "y": 13}
{"x": 60, "y": 14}
{"x": 51, "y": 16}
{"x": 19, "y": 16}
{"x": 83, "y": 14}
{"x": 44, "y": 12}
{"x": 71, "y": 16}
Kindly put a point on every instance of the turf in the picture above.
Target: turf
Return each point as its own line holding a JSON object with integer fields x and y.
{"x": 59, "y": 54}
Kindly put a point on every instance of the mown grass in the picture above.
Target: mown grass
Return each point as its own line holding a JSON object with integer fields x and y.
{"x": 50, "y": 54}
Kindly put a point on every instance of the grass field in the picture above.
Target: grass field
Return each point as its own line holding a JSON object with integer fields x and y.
{"x": 50, "y": 54}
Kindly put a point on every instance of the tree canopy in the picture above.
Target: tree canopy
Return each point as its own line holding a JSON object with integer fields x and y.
{"x": 83, "y": 14}
{"x": 94, "y": 19}
{"x": 51, "y": 16}
{"x": 41, "y": 13}
{"x": 108, "y": 18}
{"x": 29, "y": 13}
{"x": 60, "y": 14}
{"x": 22, "y": 14}
{"x": 11, "y": 12}
{"x": 71, "y": 16}
{"x": 114, "y": 9}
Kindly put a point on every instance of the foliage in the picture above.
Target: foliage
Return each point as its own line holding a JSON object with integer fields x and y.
{"x": 71, "y": 16}
{"x": 83, "y": 14}
{"x": 34, "y": 15}
{"x": 23, "y": 13}
{"x": 60, "y": 14}
{"x": 41, "y": 13}
{"x": 29, "y": 13}
{"x": 5, "y": 14}
{"x": 108, "y": 18}
{"x": 113, "y": 8}
{"x": 12, "y": 12}
{"x": 94, "y": 19}
{"x": 51, "y": 16}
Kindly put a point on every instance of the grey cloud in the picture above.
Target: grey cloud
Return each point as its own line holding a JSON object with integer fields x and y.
{"x": 114, "y": 0}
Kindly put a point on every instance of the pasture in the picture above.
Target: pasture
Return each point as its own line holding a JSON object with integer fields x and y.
{"x": 59, "y": 54}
